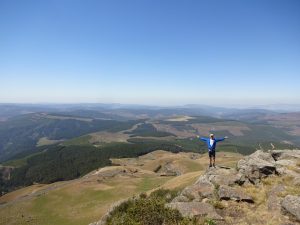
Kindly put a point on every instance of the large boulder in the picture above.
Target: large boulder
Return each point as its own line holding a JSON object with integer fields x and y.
{"x": 266, "y": 156}
{"x": 285, "y": 154}
{"x": 170, "y": 169}
{"x": 285, "y": 162}
{"x": 291, "y": 205}
{"x": 197, "y": 209}
{"x": 196, "y": 192}
{"x": 224, "y": 176}
{"x": 230, "y": 193}
{"x": 256, "y": 166}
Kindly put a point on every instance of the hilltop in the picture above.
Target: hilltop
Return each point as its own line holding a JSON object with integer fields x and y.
{"x": 263, "y": 188}
{"x": 84, "y": 200}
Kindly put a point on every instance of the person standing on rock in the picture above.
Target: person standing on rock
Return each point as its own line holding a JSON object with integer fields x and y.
{"x": 211, "y": 144}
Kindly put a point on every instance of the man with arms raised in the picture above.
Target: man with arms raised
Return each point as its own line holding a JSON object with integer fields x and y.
{"x": 211, "y": 144}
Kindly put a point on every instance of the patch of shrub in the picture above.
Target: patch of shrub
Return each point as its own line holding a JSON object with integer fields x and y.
{"x": 209, "y": 222}
{"x": 148, "y": 210}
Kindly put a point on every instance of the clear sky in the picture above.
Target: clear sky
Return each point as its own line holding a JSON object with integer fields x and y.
{"x": 150, "y": 51}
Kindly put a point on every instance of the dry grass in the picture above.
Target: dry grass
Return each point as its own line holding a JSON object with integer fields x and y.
{"x": 259, "y": 194}
{"x": 21, "y": 193}
{"x": 68, "y": 118}
{"x": 182, "y": 180}
{"x": 234, "y": 129}
{"x": 45, "y": 141}
{"x": 173, "y": 130}
{"x": 180, "y": 119}
{"x": 107, "y": 137}
{"x": 218, "y": 204}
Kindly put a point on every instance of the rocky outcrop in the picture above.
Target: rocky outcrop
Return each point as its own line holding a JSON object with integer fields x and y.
{"x": 197, "y": 192}
{"x": 167, "y": 169}
{"x": 213, "y": 194}
{"x": 285, "y": 154}
{"x": 105, "y": 173}
{"x": 224, "y": 176}
{"x": 257, "y": 166}
{"x": 226, "y": 184}
{"x": 291, "y": 205}
{"x": 230, "y": 193}
{"x": 191, "y": 209}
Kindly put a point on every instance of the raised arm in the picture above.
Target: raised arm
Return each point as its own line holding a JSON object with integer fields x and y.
{"x": 221, "y": 139}
{"x": 203, "y": 139}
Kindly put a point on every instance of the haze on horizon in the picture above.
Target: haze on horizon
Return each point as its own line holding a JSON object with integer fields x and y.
{"x": 150, "y": 52}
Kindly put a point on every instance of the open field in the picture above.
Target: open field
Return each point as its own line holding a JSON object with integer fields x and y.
{"x": 45, "y": 141}
{"x": 235, "y": 130}
{"x": 56, "y": 117}
{"x": 180, "y": 118}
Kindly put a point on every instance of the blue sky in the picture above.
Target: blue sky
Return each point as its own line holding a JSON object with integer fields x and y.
{"x": 150, "y": 52}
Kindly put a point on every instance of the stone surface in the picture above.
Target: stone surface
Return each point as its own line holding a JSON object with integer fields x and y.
{"x": 285, "y": 154}
{"x": 198, "y": 191}
{"x": 169, "y": 169}
{"x": 230, "y": 193}
{"x": 181, "y": 198}
{"x": 190, "y": 209}
{"x": 291, "y": 204}
{"x": 285, "y": 162}
{"x": 266, "y": 156}
{"x": 256, "y": 166}
{"x": 220, "y": 176}
{"x": 296, "y": 181}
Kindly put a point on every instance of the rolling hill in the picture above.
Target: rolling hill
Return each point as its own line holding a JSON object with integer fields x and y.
{"x": 68, "y": 142}
{"x": 86, "y": 199}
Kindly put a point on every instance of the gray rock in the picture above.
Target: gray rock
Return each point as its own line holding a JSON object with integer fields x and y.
{"x": 169, "y": 169}
{"x": 194, "y": 156}
{"x": 221, "y": 176}
{"x": 198, "y": 192}
{"x": 181, "y": 198}
{"x": 291, "y": 204}
{"x": 201, "y": 189}
{"x": 256, "y": 166}
{"x": 285, "y": 162}
{"x": 230, "y": 193}
{"x": 285, "y": 154}
{"x": 286, "y": 171}
{"x": 190, "y": 209}
{"x": 114, "y": 172}
{"x": 266, "y": 156}
{"x": 296, "y": 181}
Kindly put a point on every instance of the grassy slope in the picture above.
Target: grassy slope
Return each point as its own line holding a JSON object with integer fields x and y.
{"x": 85, "y": 200}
